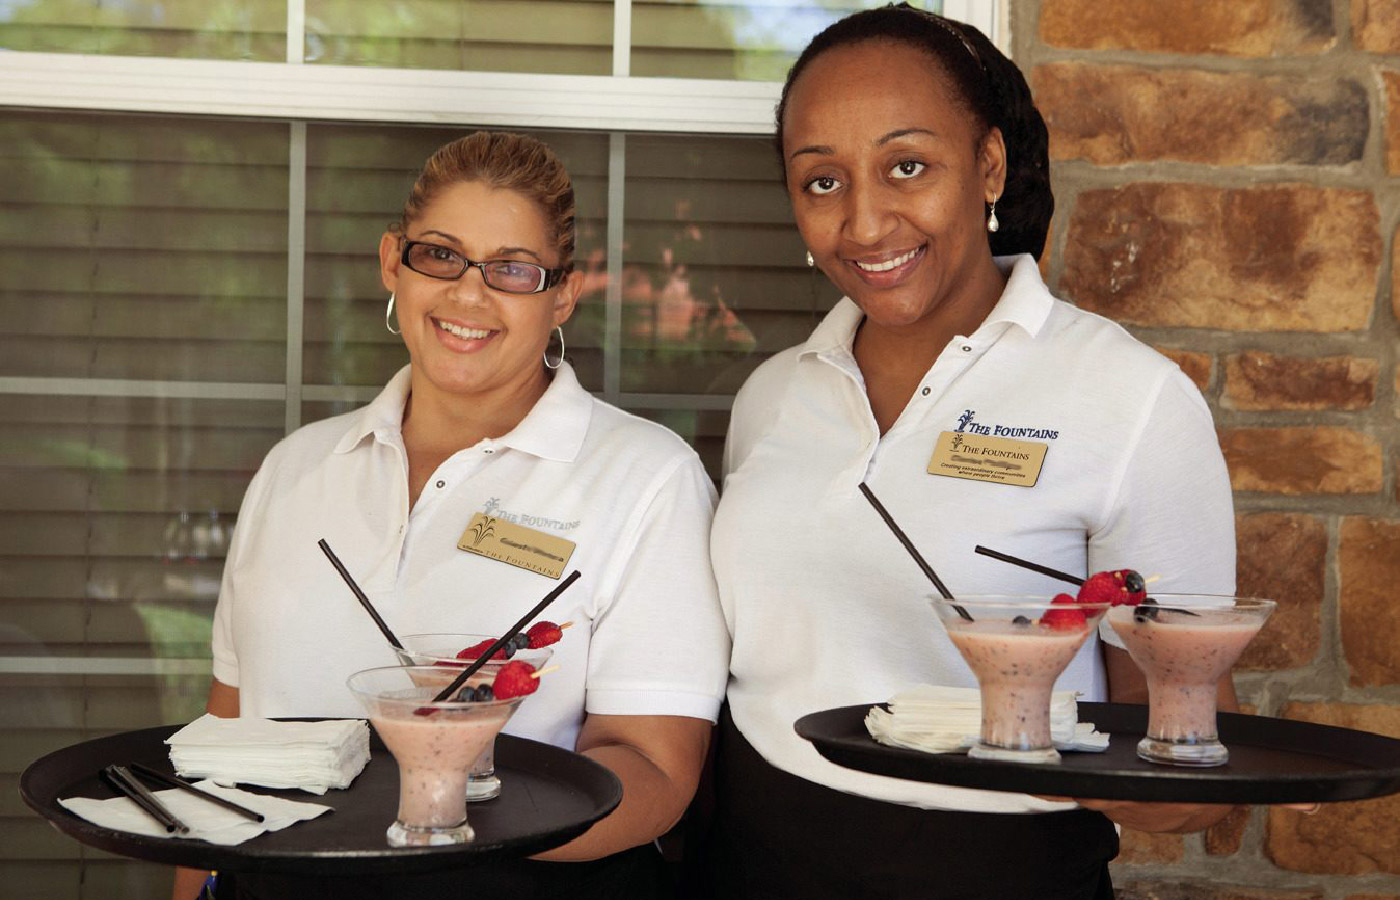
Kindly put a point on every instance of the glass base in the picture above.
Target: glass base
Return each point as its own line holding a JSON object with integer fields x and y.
{"x": 483, "y": 787}
{"x": 1007, "y": 754}
{"x": 1170, "y": 753}
{"x": 401, "y": 835}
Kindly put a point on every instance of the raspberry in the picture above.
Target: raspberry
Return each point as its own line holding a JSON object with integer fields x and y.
{"x": 543, "y": 633}
{"x": 475, "y": 651}
{"x": 1118, "y": 587}
{"x": 515, "y": 680}
{"x": 1067, "y": 618}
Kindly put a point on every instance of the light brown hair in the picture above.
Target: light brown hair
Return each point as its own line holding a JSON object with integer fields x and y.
{"x": 501, "y": 159}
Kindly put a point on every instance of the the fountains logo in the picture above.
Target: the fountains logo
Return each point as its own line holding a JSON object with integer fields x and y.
{"x": 483, "y": 530}
{"x": 967, "y": 425}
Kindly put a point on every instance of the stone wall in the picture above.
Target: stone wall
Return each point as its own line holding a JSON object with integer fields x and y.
{"x": 1228, "y": 183}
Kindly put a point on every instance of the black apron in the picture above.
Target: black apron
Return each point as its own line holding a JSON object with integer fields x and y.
{"x": 775, "y": 835}
{"x": 637, "y": 873}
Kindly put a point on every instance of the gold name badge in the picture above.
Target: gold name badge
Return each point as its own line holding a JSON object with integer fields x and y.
{"x": 517, "y": 545}
{"x": 980, "y": 457}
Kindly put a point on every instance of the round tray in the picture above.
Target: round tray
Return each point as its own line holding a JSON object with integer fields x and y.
{"x": 548, "y": 797}
{"x": 1271, "y": 761}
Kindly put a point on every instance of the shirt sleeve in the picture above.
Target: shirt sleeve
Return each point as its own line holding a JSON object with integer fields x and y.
{"x": 1172, "y": 517}
{"x": 659, "y": 645}
{"x": 222, "y": 645}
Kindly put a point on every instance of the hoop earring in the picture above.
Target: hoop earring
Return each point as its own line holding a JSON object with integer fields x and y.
{"x": 992, "y": 224}
{"x": 560, "y": 361}
{"x": 389, "y": 314}
{"x": 810, "y": 262}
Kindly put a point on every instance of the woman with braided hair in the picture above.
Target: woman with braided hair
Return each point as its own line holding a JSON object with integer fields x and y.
{"x": 918, "y": 171}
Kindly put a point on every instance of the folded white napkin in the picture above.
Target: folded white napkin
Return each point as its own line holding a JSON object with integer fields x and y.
{"x": 939, "y": 719}
{"x": 207, "y": 821}
{"x": 312, "y": 756}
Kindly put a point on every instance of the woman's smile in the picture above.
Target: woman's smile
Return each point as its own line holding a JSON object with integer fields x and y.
{"x": 464, "y": 333}
{"x": 888, "y": 270}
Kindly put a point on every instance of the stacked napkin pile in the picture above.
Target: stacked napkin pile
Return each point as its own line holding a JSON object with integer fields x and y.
{"x": 947, "y": 719}
{"x": 312, "y": 756}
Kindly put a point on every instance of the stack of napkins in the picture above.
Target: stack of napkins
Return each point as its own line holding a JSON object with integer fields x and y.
{"x": 312, "y": 756}
{"x": 207, "y": 821}
{"x": 947, "y": 719}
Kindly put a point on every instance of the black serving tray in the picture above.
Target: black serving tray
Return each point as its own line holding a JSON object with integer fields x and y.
{"x": 548, "y": 797}
{"x": 1271, "y": 761}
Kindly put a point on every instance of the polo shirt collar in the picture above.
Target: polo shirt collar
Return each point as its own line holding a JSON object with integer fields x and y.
{"x": 554, "y": 428}
{"x": 1025, "y": 302}
{"x": 383, "y": 414}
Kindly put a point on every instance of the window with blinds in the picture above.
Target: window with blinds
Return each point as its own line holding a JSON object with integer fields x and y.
{"x": 178, "y": 291}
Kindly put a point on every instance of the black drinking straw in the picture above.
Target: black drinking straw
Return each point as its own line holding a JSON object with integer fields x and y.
{"x": 504, "y": 639}
{"x": 359, "y": 594}
{"x": 1027, "y": 564}
{"x": 135, "y": 791}
{"x": 176, "y": 781}
{"x": 913, "y": 551}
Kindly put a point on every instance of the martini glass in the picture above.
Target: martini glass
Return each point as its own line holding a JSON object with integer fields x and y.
{"x": 434, "y": 743}
{"x": 1017, "y": 647}
{"x": 440, "y": 652}
{"x": 1184, "y": 644}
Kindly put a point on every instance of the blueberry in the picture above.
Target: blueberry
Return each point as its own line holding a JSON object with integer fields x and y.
{"x": 509, "y": 649}
{"x": 1020, "y": 620}
{"x": 484, "y": 693}
{"x": 1134, "y": 582}
{"x": 521, "y": 641}
{"x": 465, "y": 695}
{"x": 1144, "y": 612}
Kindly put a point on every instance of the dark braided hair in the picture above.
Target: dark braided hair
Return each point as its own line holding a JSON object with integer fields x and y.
{"x": 987, "y": 85}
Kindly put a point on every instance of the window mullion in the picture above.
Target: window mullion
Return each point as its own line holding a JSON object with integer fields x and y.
{"x": 296, "y": 265}
{"x": 622, "y": 38}
{"x": 612, "y": 327}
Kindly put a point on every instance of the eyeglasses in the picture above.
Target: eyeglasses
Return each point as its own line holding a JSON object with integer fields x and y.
{"x": 511, "y": 276}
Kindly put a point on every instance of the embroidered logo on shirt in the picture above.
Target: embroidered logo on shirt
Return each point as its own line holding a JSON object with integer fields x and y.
{"x": 966, "y": 423}
{"x": 493, "y": 508}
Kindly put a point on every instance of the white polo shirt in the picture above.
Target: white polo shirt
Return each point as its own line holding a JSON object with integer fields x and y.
{"x": 648, "y": 636}
{"x": 827, "y": 609}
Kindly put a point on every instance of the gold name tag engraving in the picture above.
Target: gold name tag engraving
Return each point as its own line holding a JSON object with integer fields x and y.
{"x": 517, "y": 545}
{"x": 980, "y": 457}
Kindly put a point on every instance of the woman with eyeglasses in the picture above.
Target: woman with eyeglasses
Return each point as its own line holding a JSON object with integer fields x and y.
{"x": 489, "y": 420}
{"x": 918, "y": 172}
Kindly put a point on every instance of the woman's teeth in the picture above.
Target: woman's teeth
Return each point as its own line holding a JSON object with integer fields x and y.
{"x": 466, "y": 334}
{"x": 887, "y": 264}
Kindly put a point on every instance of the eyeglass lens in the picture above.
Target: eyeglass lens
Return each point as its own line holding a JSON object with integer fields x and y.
{"x": 505, "y": 275}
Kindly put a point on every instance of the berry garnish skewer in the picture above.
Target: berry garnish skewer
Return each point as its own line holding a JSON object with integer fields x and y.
{"x": 514, "y": 679}
{"x": 1117, "y": 587}
{"x": 540, "y": 634}
{"x": 501, "y": 641}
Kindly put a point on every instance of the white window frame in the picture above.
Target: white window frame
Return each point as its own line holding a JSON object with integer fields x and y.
{"x": 312, "y": 92}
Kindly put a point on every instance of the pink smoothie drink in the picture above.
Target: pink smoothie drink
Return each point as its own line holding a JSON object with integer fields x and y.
{"x": 1184, "y": 651}
{"x": 1016, "y": 672}
{"x": 1017, "y": 647}
{"x": 435, "y": 753}
{"x": 439, "y": 651}
{"x": 434, "y": 743}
